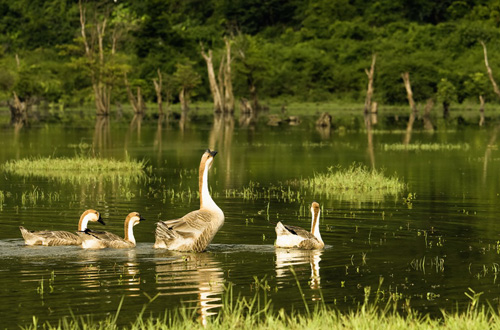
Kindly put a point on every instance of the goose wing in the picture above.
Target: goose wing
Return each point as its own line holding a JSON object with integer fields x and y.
{"x": 299, "y": 231}
{"x": 192, "y": 224}
{"x": 47, "y": 237}
{"x": 101, "y": 235}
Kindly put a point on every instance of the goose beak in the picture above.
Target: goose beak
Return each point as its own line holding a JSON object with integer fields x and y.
{"x": 213, "y": 153}
{"x": 100, "y": 220}
{"x": 141, "y": 218}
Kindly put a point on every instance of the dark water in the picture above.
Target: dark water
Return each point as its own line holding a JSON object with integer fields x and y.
{"x": 426, "y": 251}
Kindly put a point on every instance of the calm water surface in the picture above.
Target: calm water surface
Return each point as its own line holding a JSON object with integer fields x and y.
{"x": 428, "y": 250}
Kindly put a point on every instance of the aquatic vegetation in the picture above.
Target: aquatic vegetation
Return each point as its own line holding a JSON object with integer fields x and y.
{"x": 425, "y": 146}
{"x": 255, "y": 190}
{"x": 354, "y": 183}
{"x": 79, "y": 169}
{"x": 258, "y": 313}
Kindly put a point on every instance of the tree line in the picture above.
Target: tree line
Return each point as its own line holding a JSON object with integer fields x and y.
{"x": 99, "y": 52}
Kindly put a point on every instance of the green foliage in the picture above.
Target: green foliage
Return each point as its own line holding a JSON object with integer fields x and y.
{"x": 446, "y": 92}
{"x": 303, "y": 51}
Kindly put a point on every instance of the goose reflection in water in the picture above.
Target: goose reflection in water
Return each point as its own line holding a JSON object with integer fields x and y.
{"x": 188, "y": 274}
{"x": 126, "y": 270}
{"x": 298, "y": 260}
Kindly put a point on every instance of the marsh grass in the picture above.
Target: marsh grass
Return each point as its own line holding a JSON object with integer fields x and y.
{"x": 354, "y": 183}
{"x": 255, "y": 190}
{"x": 79, "y": 169}
{"x": 258, "y": 313}
{"x": 425, "y": 147}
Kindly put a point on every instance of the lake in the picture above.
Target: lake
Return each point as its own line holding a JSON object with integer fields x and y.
{"x": 424, "y": 247}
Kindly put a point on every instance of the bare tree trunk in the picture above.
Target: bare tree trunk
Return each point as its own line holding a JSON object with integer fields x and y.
{"x": 214, "y": 88}
{"x": 413, "y": 107}
{"x": 481, "y": 110}
{"x": 158, "y": 87}
{"x": 490, "y": 72}
{"x": 18, "y": 112}
{"x": 228, "y": 84}
{"x": 369, "y": 90}
{"x": 183, "y": 98}
{"x": 427, "y": 115}
{"x": 136, "y": 102}
{"x": 102, "y": 91}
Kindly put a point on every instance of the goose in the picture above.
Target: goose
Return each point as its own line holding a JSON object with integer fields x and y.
{"x": 52, "y": 238}
{"x": 194, "y": 231}
{"x": 100, "y": 240}
{"x": 297, "y": 237}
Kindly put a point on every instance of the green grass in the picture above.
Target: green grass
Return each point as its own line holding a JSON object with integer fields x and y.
{"x": 258, "y": 313}
{"x": 79, "y": 169}
{"x": 255, "y": 190}
{"x": 425, "y": 147}
{"x": 354, "y": 183}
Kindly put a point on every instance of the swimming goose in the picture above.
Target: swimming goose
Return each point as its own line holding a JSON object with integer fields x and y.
{"x": 47, "y": 237}
{"x": 100, "y": 240}
{"x": 195, "y": 230}
{"x": 297, "y": 237}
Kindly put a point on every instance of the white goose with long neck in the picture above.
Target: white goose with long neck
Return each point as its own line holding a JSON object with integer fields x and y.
{"x": 206, "y": 201}
{"x": 315, "y": 210}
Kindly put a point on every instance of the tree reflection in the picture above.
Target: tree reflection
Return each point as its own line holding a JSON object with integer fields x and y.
{"x": 102, "y": 133}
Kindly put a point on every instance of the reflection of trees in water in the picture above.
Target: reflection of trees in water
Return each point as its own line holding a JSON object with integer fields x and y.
{"x": 298, "y": 259}
{"x": 191, "y": 273}
{"x": 487, "y": 153}
{"x": 221, "y": 138}
{"x": 158, "y": 142}
{"x": 369, "y": 121}
{"x": 102, "y": 133}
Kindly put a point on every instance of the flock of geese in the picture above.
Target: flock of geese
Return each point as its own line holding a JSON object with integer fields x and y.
{"x": 191, "y": 233}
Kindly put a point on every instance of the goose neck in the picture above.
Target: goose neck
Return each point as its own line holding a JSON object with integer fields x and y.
{"x": 315, "y": 225}
{"x": 82, "y": 224}
{"x": 206, "y": 200}
{"x": 129, "y": 231}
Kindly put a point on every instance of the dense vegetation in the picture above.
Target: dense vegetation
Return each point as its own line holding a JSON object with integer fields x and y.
{"x": 288, "y": 49}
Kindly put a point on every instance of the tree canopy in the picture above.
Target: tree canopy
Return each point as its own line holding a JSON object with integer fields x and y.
{"x": 314, "y": 50}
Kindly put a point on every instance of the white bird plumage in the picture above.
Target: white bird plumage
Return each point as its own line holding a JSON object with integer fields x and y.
{"x": 100, "y": 240}
{"x": 59, "y": 237}
{"x": 297, "y": 237}
{"x": 195, "y": 230}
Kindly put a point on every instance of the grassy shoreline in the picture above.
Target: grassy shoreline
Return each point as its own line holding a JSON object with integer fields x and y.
{"x": 257, "y": 313}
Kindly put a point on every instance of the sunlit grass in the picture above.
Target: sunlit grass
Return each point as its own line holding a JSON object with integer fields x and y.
{"x": 79, "y": 169}
{"x": 425, "y": 146}
{"x": 255, "y": 190}
{"x": 258, "y": 313}
{"x": 354, "y": 183}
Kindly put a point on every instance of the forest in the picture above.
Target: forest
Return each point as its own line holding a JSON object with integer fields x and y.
{"x": 66, "y": 53}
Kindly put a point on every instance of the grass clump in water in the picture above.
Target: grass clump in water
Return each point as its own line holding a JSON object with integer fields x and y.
{"x": 79, "y": 169}
{"x": 355, "y": 182}
{"x": 425, "y": 147}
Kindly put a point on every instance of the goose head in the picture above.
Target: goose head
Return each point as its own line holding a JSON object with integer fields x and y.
{"x": 208, "y": 158}
{"x": 134, "y": 218}
{"x": 89, "y": 215}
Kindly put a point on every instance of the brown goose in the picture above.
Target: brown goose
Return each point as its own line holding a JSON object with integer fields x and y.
{"x": 100, "y": 240}
{"x": 195, "y": 230}
{"x": 297, "y": 237}
{"x": 52, "y": 238}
